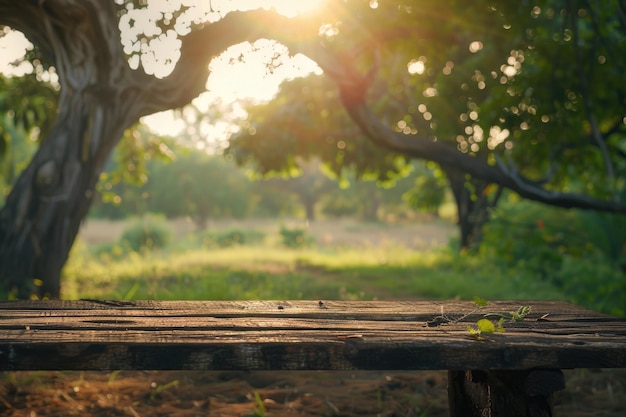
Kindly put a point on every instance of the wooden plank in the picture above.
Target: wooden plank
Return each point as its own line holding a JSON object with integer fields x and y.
{"x": 73, "y": 335}
{"x": 335, "y": 307}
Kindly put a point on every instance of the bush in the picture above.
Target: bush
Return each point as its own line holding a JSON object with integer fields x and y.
{"x": 295, "y": 238}
{"x": 536, "y": 238}
{"x": 581, "y": 252}
{"x": 594, "y": 282}
{"x": 109, "y": 251}
{"x": 340, "y": 206}
{"x": 231, "y": 238}
{"x": 149, "y": 232}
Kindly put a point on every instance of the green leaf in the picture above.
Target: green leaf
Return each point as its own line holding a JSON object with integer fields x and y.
{"x": 500, "y": 325}
{"x": 473, "y": 331}
{"x": 486, "y": 326}
{"x": 521, "y": 312}
{"x": 480, "y": 302}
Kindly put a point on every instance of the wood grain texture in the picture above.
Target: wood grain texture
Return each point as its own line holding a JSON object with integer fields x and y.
{"x": 303, "y": 335}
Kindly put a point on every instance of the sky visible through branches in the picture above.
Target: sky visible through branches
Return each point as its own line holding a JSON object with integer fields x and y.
{"x": 244, "y": 73}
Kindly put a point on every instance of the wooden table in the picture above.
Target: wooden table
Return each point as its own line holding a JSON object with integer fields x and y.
{"x": 512, "y": 373}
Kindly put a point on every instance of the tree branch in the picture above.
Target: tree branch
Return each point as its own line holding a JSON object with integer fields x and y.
{"x": 189, "y": 77}
{"x": 445, "y": 155}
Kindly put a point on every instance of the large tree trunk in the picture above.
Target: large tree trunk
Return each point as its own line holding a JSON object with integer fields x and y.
{"x": 41, "y": 217}
{"x": 43, "y": 212}
{"x": 100, "y": 97}
{"x": 309, "y": 209}
{"x": 473, "y": 204}
{"x": 370, "y": 208}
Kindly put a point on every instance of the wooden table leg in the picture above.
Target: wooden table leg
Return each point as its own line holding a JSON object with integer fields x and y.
{"x": 525, "y": 393}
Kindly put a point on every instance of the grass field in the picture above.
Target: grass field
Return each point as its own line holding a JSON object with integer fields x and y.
{"x": 346, "y": 260}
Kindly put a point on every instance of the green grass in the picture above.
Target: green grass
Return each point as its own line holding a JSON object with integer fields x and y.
{"x": 249, "y": 272}
{"x": 199, "y": 267}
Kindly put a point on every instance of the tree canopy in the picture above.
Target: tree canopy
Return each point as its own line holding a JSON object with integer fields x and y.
{"x": 528, "y": 96}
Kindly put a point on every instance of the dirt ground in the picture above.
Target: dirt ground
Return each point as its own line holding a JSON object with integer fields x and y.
{"x": 280, "y": 394}
{"x": 600, "y": 392}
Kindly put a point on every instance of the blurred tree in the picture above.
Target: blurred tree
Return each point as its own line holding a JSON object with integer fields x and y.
{"x": 27, "y": 112}
{"x": 428, "y": 192}
{"x": 189, "y": 183}
{"x": 302, "y": 122}
{"x": 273, "y": 201}
{"x": 308, "y": 183}
{"x": 502, "y": 91}
{"x": 200, "y": 186}
{"x": 363, "y": 198}
{"x": 186, "y": 182}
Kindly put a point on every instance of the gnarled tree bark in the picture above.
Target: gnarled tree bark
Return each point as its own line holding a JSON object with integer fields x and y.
{"x": 98, "y": 100}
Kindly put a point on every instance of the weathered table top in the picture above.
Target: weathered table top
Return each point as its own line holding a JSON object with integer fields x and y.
{"x": 257, "y": 335}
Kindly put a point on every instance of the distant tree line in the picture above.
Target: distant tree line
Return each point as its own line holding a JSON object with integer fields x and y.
{"x": 205, "y": 187}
